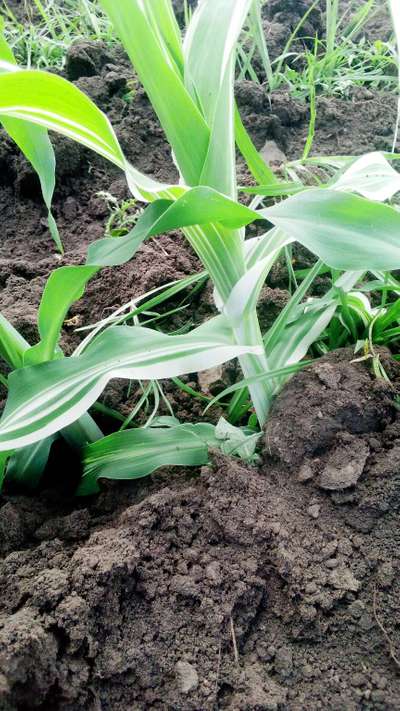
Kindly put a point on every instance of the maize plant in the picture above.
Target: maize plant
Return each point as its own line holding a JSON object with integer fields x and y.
{"x": 190, "y": 83}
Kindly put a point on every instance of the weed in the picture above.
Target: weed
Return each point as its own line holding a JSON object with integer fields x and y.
{"x": 123, "y": 215}
{"x": 340, "y": 60}
{"x": 52, "y": 26}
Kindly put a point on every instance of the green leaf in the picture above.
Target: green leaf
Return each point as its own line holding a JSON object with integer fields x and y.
{"x": 289, "y": 343}
{"x": 26, "y": 465}
{"x": 136, "y": 453}
{"x": 12, "y": 344}
{"x": 198, "y": 206}
{"x": 161, "y": 15}
{"x": 236, "y": 440}
{"x": 371, "y": 176}
{"x": 259, "y": 169}
{"x": 209, "y": 77}
{"x": 248, "y": 382}
{"x": 64, "y": 286}
{"x": 394, "y": 8}
{"x": 4, "y": 457}
{"x": 34, "y": 143}
{"x": 345, "y": 231}
{"x": 48, "y": 397}
{"x": 53, "y": 102}
{"x": 273, "y": 189}
{"x": 185, "y": 127}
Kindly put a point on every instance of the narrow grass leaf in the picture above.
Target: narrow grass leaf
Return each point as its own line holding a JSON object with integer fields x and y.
{"x": 248, "y": 382}
{"x": 259, "y": 169}
{"x": 273, "y": 189}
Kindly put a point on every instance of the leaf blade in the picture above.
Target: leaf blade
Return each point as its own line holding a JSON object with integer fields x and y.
{"x": 48, "y": 397}
{"x": 136, "y": 453}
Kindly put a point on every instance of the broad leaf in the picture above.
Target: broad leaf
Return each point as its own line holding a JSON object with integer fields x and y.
{"x": 53, "y": 102}
{"x": 209, "y": 76}
{"x": 345, "y": 231}
{"x": 34, "y": 143}
{"x": 136, "y": 453}
{"x": 64, "y": 286}
{"x": 185, "y": 127}
{"x": 12, "y": 344}
{"x": 26, "y": 465}
{"x": 371, "y": 176}
{"x": 48, "y": 397}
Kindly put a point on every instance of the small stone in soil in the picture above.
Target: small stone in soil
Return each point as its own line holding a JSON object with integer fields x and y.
{"x": 345, "y": 466}
{"x": 314, "y": 510}
{"x": 343, "y": 579}
{"x": 386, "y": 575}
{"x": 306, "y": 473}
{"x": 272, "y": 153}
{"x": 187, "y": 676}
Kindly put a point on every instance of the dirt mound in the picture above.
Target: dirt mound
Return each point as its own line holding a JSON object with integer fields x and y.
{"x": 227, "y": 589}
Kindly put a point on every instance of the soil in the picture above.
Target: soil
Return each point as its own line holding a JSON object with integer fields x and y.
{"x": 231, "y": 588}
{"x": 235, "y": 588}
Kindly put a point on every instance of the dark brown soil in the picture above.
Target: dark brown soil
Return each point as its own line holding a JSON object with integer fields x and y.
{"x": 230, "y": 588}
{"x": 234, "y": 588}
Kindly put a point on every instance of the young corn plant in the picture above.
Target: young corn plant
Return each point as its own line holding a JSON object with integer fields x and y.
{"x": 190, "y": 85}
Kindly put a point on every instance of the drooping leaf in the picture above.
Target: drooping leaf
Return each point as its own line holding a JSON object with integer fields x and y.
{"x": 198, "y": 206}
{"x": 64, "y": 286}
{"x": 33, "y": 142}
{"x": 136, "y": 453}
{"x": 48, "y": 397}
{"x": 50, "y": 101}
{"x": 371, "y": 176}
{"x": 345, "y": 231}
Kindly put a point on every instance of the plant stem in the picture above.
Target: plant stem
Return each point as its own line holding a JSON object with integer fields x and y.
{"x": 82, "y": 432}
{"x": 249, "y": 333}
